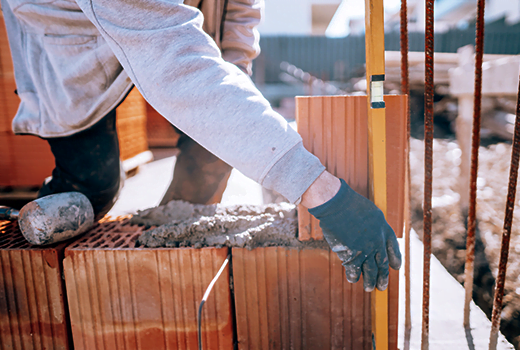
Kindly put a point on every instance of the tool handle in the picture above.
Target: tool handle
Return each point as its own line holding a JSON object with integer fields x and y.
{"x": 7, "y": 213}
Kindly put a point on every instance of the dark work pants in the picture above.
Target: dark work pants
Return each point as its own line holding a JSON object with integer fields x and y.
{"x": 88, "y": 162}
{"x": 198, "y": 176}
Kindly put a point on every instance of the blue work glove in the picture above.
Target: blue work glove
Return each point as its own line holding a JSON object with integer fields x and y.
{"x": 357, "y": 231}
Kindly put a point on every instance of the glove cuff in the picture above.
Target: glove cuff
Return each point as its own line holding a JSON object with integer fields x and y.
{"x": 335, "y": 204}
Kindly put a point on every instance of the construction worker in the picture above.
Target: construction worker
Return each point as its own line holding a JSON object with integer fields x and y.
{"x": 74, "y": 63}
{"x": 198, "y": 175}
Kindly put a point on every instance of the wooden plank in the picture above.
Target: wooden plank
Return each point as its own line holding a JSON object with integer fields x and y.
{"x": 374, "y": 37}
{"x": 377, "y": 162}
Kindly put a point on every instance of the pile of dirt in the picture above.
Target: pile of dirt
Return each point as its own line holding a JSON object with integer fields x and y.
{"x": 449, "y": 223}
{"x": 181, "y": 224}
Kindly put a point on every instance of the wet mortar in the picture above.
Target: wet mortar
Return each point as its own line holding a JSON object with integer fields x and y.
{"x": 182, "y": 224}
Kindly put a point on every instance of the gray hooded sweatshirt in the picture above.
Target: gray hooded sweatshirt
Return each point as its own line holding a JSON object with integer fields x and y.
{"x": 69, "y": 58}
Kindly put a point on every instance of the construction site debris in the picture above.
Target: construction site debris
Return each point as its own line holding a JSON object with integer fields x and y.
{"x": 181, "y": 224}
{"x": 449, "y": 232}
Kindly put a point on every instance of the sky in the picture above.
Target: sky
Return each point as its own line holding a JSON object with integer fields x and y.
{"x": 339, "y": 26}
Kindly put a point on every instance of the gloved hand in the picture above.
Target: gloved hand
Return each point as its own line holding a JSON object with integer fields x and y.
{"x": 357, "y": 231}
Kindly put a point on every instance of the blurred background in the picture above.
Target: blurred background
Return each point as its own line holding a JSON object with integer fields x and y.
{"x": 321, "y": 51}
{"x": 317, "y": 47}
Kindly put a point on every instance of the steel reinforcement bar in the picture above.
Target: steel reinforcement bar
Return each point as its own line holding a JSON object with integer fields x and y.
{"x": 475, "y": 143}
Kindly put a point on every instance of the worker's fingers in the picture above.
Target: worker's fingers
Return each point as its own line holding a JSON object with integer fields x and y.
{"x": 382, "y": 273}
{"x": 353, "y": 269}
{"x": 346, "y": 255}
{"x": 392, "y": 249}
{"x": 370, "y": 272}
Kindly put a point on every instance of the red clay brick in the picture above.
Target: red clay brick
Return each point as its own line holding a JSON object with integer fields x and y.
{"x": 160, "y": 132}
{"x": 287, "y": 298}
{"x": 337, "y": 134}
{"x": 32, "y": 300}
{"x": 131, "y": 125}
{"x": 29, "y": 160}
{"x": 127, "y": 297}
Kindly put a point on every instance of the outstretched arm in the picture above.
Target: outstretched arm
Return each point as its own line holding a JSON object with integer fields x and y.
{"x": 179, "y": 68}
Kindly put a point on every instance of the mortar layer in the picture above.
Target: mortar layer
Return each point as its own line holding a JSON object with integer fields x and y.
{"x": 182, "y": 224}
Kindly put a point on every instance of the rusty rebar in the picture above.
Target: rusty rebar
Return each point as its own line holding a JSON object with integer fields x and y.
{"x": 405, "y": 80}
{"x": 405, "y": 90}
{"x": 428, "y": 167}
{"x": 506, "y": 233}
{"x": 475, "y": 144}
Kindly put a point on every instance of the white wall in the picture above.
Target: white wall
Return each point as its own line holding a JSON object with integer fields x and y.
{"x": 289, "y": 16}
{"x": 295, "y": 17}
{"x": 500, "y": 8}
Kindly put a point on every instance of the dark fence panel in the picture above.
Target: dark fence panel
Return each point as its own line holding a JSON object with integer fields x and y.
{"x": 326, "y": 58}
{"x": 343, "y": 58}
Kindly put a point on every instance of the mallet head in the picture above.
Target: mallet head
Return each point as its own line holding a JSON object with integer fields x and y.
{"x": 56, "y": 218}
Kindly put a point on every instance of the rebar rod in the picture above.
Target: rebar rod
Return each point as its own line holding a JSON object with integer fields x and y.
{"x": 428, "y": 167}
{"x": 506, "y": 232}
{"x": 469, "y": 267}
{"x": 405, "y": 90}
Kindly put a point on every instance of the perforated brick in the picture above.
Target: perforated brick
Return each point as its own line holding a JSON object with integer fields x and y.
{"x": 122, "y": 296}
{"x": 32, "y": 294}
{"x": 287, "y": 298}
